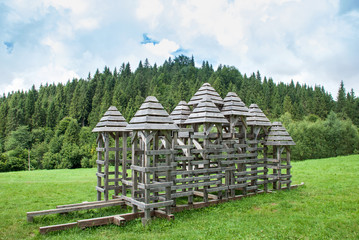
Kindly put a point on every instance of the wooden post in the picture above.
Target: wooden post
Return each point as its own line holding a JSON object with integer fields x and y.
{"x": 106, "y": 167}
{"x": 99, "y": 166}
{"x": 124, "y": 164}
{"x": 146, "y": 179}
{"x": 117, "y": 163}
{"x": 134, "y": 172}
{"x": 288, "y": 169}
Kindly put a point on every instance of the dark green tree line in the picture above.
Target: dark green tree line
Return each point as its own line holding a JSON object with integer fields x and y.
{"x": 57, "y": 118}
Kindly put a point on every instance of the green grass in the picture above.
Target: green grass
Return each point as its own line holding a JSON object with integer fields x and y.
{"x": 326, "y": 207}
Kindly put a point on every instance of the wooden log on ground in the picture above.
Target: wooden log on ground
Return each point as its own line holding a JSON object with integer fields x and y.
{"x": 95, "y": 222}
{"x": 52, "y": 228}
{"x": 30, "y": 215}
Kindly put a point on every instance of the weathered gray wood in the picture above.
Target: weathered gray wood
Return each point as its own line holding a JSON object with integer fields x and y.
{"x": 75, "y": 208}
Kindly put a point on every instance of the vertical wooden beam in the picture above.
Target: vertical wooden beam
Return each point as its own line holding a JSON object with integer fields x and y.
{"x": 146, "y": 179}
{"x": 99, "y": 166}
{"x": 288, "y": 163}
{"x": 134, "y": 161}
{"x": 265, "y": 151}
{"x": 279, "y": 157}
{"x": 190, "y": 167}
{"x": 106, "y": 167}
{"x": 155, "y": 159}
{"x": 124, "y": 164}
{"x": 206, "y": 166}
{"x": 169, "y": 159}
{"x": 117, "y": 162}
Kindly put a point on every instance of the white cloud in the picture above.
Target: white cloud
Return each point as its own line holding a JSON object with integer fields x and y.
{"x": 307, "y": 41}
{"x": 149, "y": 11}
{"x": 164, "y": 48}
{"x": 45, "y": 74}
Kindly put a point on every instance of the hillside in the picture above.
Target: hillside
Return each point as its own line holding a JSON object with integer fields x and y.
{"x": 53, "y": 124}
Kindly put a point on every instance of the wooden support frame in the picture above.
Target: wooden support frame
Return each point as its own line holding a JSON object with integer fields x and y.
{"x": 121, "y": 219}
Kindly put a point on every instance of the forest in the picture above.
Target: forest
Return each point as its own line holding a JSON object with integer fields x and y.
{"x": 52, "y": 125}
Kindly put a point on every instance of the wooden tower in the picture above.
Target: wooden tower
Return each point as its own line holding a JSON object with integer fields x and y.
{"x": 206, "y": 91}
{"x": 256, "y": 167}
{"x": 207, "y": 121}
{"x": 153, "y": 139}
{"x": 280, "y": 140}
{"x": 236, "y": 113}
{"x": 112, "y": 125}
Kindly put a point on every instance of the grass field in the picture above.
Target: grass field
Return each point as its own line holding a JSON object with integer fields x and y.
{"x": 326, "y": 207}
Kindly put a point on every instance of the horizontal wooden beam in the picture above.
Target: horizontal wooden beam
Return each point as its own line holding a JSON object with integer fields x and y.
{"x": 30, "y": 215}
{"x": 122, "y": 218}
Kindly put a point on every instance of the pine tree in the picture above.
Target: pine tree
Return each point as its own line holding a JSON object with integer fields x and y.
{"x": 287, "y": 105}
{"x": 341, "y": 99}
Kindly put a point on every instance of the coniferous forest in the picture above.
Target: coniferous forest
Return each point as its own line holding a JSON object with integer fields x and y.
{"x": 52, "y": 125}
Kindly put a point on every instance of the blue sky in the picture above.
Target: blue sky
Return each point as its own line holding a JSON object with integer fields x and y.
{"x": 313, "y": 42}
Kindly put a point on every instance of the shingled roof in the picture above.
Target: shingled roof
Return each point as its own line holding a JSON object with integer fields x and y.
{"x": 181, "y": 112}
{"x": 112, "y": 121}
{"x": 206, "y": 91}
{"x": 233, "y": 105}
{"x": 151, "y": 116}
{"x": 206, "y": 112}
{"x": 278, "y": 136}
{"x": 257, "y": 118}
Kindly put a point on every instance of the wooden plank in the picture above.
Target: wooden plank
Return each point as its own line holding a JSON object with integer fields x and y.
{"x": 100, "y": 162}
{"x": 235, "y": 186}
{"x": 151, "y": 169}
{"x": 100, "y": 174}
{"x": 193, "y": 185}
{"x": 118, "y": 220}
{"x": 183, "y": 158}
{"x": 58, "y": 227}
{"x": 216, "y": 189}
{"x": 95, "y": 222}
{"x": 161, "y": 151}
{"x": 76, "y": 208}
{"x": 156, "y": 185}
{"x": 159, "y": 204}
{"x": 182, "y": 194}
{"x": 87, "y": 203}
{"x": 162, "y": 214}
{"x": 201, "y": 194}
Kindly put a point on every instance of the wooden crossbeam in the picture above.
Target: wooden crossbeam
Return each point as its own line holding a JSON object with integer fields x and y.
{"x": 122, "y": 218}
{"x": 30, "y": 215}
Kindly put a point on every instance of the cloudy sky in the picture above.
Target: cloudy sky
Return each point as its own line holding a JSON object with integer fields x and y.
{"x": 309, "y": 41}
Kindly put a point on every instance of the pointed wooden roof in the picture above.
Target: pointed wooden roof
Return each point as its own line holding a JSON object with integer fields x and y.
{"x": 112, "y": 121}
{"x": 181, "y": 112}
{"x": 206, "y": 112}
{"x": 206, "y": 90}
{"x": 278, "y": 136}
{"x": 257, "y": 118}
{"x": 151, "y": 116}
{"x": 233, "y": 105}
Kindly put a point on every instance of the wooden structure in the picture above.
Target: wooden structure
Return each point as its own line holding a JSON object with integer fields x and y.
{"x": 112, "y": 125}
{"x": 206, "y": 152}
{"x": 280, "y": 140}
{"x": 235, "y": 137}
{"x": 153, "y": 139}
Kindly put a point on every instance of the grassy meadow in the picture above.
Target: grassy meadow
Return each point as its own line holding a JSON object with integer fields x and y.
{"x": 326, "y": 207}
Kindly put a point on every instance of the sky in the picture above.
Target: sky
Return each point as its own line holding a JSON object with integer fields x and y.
{"x": 308, "y": 41}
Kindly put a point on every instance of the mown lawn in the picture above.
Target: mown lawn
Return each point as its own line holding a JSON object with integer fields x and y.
{"x": 326, "y": 207}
